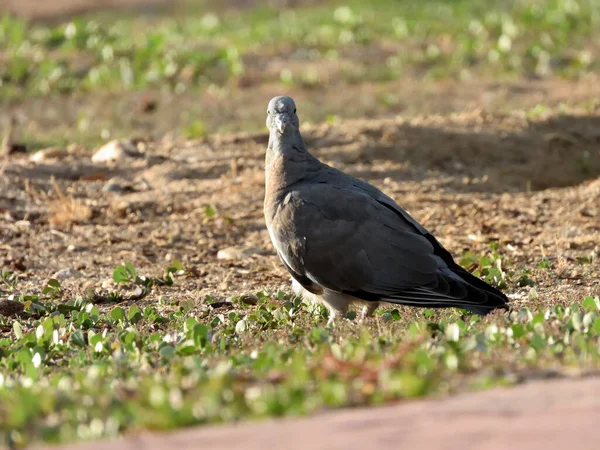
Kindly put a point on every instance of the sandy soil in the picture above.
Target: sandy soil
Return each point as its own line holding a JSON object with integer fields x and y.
{"x": 470, "y": 178}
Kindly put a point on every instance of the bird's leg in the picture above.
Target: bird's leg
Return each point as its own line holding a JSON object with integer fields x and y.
{"x": 332, "y": 318}
{"x": 335, "y": 314}
{"x": 337, "y": 304}
{"x": 368, "y": 310}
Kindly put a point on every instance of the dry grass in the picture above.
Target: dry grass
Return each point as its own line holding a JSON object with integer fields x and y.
{"x": 65, "y": 210}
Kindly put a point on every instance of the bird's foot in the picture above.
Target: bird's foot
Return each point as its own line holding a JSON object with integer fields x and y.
{"x": 367, "y": 311}
{"x": 335, "y": 317}
{"x": 333, "y": 320}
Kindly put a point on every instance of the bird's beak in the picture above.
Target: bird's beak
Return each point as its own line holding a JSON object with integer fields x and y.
{"x": 281, "y": 122}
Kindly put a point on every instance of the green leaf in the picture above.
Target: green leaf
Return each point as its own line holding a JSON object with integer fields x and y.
{"x": 597, "y": 326}
{"x": 24, "y": 357}
{"x": 544, "y": 264}
{"x": 18, "y": 330}
{"x": 591, "y": 304}
{"x": 414, "y": 330}
{"x": 517, "y": 331}
{"x": 120, "y": 275}
{"x": 167, "y": 351}
{"x": 538, "y": 318}
{"x": 54, "y": 283}
{"x": 95, "y": 312}
{"x": 95, "y": 339}
{"x": 175, "y": 266}
{"x": 130, "y": 270}
{"x": 189, "y": 324}
{"x": 117, "y": 314}
{"x": 134, "y": 314}
{"x": 209, "y": 212}
{"x": 130, "y": 337}
{"x": 186, "y": 348}
{"x": 538, "y": 342}
{"x": 485, "y": 262}
{"x": 200, "y": 334}
{"x": 78, "y": 338}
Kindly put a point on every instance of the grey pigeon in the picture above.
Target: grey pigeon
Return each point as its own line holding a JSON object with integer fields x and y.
{"x": 344, "y": 241}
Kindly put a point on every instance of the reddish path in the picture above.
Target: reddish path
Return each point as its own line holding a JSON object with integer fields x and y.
{"x": 62, "y": 9}
{"x": 543, "y": 415}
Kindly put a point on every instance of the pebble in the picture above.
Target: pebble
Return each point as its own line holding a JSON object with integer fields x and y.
{"x": 249, "y": 299}
{"x": 116, "y": 185}
{"x": 115, "y": 151}
{"x": 236, "y": 253}
{"x": 49, "y": 154}
{"x": 120, "y": 208}
{"x": 67, "y": 273}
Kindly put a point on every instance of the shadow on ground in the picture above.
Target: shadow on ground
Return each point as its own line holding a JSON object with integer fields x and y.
{"x": 469, "y": 152}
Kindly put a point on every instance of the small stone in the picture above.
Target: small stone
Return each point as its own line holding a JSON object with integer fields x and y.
{"x": 249, "y": 299}
{"x": 49, "y": 154}
{"x": 116, "y": 185}
{"x": 114, "y": 151}
{"x": 230, "y": 253}
{"x": 236, "y": 253}
{"x": 224, "y": 304}
{"x": 120, "y": 208}
{"x": 67, "y": 273}
{"x": 10, "y": 307}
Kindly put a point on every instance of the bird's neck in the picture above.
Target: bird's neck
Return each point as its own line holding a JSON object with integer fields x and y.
{"x": 285, "y": 143}
{"x": 287, "y": 160}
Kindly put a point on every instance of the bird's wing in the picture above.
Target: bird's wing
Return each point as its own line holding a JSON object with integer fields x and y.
{"x": 344, "y": 239}
{"x": 347, "y": 241}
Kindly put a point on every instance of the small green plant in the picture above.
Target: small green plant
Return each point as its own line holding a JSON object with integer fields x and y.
{"x": 168, "y": 278}
{"x": 124, "y": 274}
{"x": 8, "y": 279}
{"x": 524, "y": 278}
{"x": 490, "y": 266}
{"x": 53, "y": 289}
{"x": 195, "y": 129}
{"x": 545, "y": 263}
{"x": 127, "y": 274}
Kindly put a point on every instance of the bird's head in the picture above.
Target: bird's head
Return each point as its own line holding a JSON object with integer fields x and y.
{"x": 281, "y": 116}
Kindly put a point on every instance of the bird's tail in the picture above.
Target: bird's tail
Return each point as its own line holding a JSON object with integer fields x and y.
{"x": 494, "y": 297}
{"x": 453, "y": 287}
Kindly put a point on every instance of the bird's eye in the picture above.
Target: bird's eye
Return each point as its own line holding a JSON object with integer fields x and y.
{"x": 294, "y": 110}
{"x": 268, "y": 112}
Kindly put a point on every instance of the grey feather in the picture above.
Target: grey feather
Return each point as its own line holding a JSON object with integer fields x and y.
{"x": 343, "y": 239}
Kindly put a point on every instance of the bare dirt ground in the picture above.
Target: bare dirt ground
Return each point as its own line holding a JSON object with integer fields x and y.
{"x": 535, "y": 416}
{"x": 470, "y": 178}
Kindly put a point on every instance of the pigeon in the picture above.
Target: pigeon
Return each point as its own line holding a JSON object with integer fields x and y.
{"x": 345, "y": 242}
